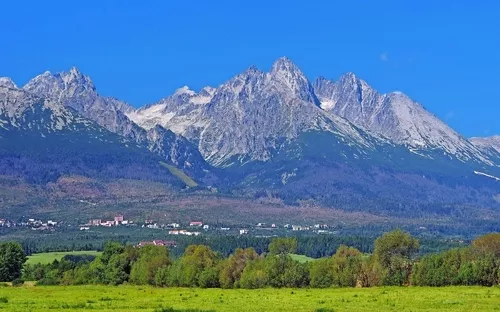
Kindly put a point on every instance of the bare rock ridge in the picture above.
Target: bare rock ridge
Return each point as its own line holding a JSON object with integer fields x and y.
{"x": 245, "y": 118}
{"x": 77, "y": 91}
{"x": 394, "y": 116}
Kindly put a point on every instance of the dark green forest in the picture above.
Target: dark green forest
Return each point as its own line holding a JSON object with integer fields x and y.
{"x": 395, "y": 260}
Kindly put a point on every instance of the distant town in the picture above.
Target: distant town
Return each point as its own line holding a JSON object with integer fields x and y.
{"x": 193, "y": 228}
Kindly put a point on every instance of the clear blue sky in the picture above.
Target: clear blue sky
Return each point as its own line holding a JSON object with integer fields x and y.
{"x": 444, "y": 54}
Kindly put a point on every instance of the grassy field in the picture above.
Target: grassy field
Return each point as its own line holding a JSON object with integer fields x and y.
{"x": 180, "y": 174}
{"x": 132, "y": 298}
{"x": 302, "y": 258}
{"x": 49, "y": 257}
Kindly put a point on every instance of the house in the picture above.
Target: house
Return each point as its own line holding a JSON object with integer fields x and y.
{"x": 95, "y": 222}
{"x": 118, "y": 219}
{"x": 170, "y": 243}
{"x": 108, "y": 223}
{"x": 273, "y": 226}
{"x": 323, "y": 226}
{"x": 261, "y": 224}
{"x": 196, "y": 223}
{"x": 206, "y": 227}
{"x": 243, "y": 232}
{"x": 173, "y": 225}
{"x": 84, "y": 228}
{"x": 173, "y": 232}
{"x": 51, "y": 223}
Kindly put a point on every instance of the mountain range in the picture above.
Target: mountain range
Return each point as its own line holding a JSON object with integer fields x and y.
{"x": 260, "y": 134}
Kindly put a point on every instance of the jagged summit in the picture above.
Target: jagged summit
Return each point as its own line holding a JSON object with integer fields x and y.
{"x": 6, "y": 82}
{"x": 286, "y": 75}
{"x": 246, "y": 116}
{"x": 184, "y": 90}
{"x": 394, "y": 116}
{"x": 252, "y": 70}
{"x": 283, "y": 64}
{"x": 76, "y": 90}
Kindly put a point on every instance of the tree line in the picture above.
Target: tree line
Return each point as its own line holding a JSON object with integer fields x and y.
{"x": 394, "y": 261}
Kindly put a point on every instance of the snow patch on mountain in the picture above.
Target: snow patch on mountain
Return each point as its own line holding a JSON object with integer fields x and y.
{"x": 487, "y": 175}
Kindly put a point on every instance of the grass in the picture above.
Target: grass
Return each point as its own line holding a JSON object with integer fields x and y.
{"x": 143, "y": 298}
{"x": 302, "y": 258}
{"x": 49, "y": 257}
{"x": 180, "y": 174}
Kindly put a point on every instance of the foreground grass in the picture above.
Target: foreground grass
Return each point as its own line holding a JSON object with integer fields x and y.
{"x": 135, "y": 298}
{"x": 49, "y": 257}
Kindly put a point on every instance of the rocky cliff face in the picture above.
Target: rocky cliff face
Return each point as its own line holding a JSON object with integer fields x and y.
{"x": 488, "y": 145}
{"x": 394, "y": 116}
{"x": 77, "y": 91}
{"x": 248, "y": 117}
{"x": 42, "y": 140}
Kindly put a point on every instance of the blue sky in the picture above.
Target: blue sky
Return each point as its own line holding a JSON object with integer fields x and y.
{"x": 444, "y": 54}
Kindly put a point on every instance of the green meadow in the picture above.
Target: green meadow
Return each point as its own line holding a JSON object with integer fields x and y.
{"x": 135, "y": 298}
{"x": 302, "y": 258}
{"x": 49, "y": 257}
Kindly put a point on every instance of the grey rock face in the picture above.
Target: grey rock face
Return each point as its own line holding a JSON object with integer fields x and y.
{"x": 6, "y": 82}
{"x": 489, "y": 145}
{"x": 21, "y": 110}
{"x": 394, "y": 116}
{"x": 77, "y": 91}
{"x": 248, "y": 117}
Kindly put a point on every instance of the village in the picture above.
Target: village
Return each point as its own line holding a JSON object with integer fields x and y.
{"x": 191, "y": 228}
{"x": 196, "y": 228}
{"x": 34, "y": 224}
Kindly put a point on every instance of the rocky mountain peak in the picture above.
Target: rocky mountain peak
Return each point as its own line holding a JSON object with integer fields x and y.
{"x": 6, "y": 82}
{"x": 287, "y": 77}
{"x": 184, "y": 91}
{"x": 285, "y": 71}
{"x": 207, "y": 91}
